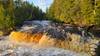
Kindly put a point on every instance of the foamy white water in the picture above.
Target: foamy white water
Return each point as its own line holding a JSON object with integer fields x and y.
{"x": 7, "y": 48}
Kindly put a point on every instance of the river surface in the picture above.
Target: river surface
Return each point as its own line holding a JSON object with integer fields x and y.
{"x": 8, "y": 48}
{"x": 47, "y": 24}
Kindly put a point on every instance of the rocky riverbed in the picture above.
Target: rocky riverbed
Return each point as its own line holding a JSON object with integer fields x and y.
{"x": 8, "y": 48}
{"x": 54, "y": 30}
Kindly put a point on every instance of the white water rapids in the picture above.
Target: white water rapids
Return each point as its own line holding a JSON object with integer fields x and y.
{"x": 8, "y": 48}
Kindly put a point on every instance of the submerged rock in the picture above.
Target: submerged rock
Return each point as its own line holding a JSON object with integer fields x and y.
{"x": 57, "y": 35}
{"x": 22, "y": 50}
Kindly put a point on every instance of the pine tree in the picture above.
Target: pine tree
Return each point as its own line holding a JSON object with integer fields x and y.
{"x": 97, "y": 10}
{"x": 1, "y": 16}
{"x": 73, "y": 11}
{"x": 6, "y": 17}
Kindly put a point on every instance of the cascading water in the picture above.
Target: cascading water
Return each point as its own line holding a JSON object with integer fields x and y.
{"x": 48, "y": 34}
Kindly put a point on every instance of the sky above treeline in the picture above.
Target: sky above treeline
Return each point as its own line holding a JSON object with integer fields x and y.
{"x": 42, "y": 4}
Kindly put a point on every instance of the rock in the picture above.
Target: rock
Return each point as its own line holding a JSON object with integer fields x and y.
{"x": 7, "y": 52}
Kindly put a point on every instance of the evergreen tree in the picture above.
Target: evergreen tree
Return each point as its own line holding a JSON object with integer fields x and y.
{"x": 6, "y": 16}
{"x": 1, "y": 16}
{"x": 26, "y": 11}
{"x": 73, "y": 11}
{"x": 97, "y": 10}
{"x": 5, "y": 21}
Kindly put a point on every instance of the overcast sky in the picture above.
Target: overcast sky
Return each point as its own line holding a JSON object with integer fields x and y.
{"x": 43, "y": 4}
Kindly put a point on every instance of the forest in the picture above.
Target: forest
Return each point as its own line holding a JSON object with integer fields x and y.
{"x": 83, "y": 12}
{"x": 76, "y": 12}
{"x": 14, "y": 13}
{"x": 67, "y": 28}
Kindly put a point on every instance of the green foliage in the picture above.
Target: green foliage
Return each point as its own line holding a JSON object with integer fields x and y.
{"x": 22, "y": 11}
{"x": 6, "y": 18}
{"x": 73, "y": 11}
{"x": 97, "y": 10}
{"x": 1, "y": 16}
{"x": 26, "y": 11}
{"x": 14, "y": 12}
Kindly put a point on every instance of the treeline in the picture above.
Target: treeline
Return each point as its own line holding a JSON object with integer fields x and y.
{"x": 14, "y": 12}
{"x": 79, "y": 12}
